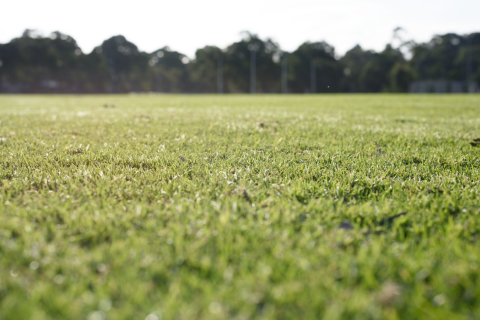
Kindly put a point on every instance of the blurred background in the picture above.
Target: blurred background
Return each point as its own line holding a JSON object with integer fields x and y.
{"x": 258, "y": 46}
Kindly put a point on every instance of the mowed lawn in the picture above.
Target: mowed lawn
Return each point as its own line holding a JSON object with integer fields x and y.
{"x": 239, "y": 207}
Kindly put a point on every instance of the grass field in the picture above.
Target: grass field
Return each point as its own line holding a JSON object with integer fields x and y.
{"x": 239, "y": 207}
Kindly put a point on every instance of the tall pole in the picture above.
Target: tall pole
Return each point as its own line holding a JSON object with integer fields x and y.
{"x": 313, "y": 78}
{"x": 284, "y": 73}
{"x": 253, "y": 85}
{"x": 159, "y": 70}
{"x": 468, "y": 58}
{"x": 220, "y": 75}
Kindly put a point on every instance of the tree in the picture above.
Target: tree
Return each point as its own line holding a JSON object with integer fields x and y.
{"x": 320, "y": 56}
{"x": 237, "y": 65}
{"x": 204, "y": 68}
{"x": 352, "y": 63}
{"x": 171, "y": 72}
{"x": 401, "y": 75}
{"x": 375, "y": 74}
{"x": 436, "y": 58}
{"x": 127, "y": 65}
{"x": 467, "y": 61}
{"x": 45, "y": 64}
{"x": 34, "y": 63}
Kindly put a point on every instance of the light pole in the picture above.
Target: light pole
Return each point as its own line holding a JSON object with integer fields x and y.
{"x": 156, "y": 62}
{"x": 253, "y": 70}
{"x": 284, "y": 73}
{"x": 220, "y": 75}
{"x": 468, "y": 61}
{"x": 313, "y": 77}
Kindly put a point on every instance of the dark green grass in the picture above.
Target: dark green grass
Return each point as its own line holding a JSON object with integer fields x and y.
{"x": 228, "y": 207}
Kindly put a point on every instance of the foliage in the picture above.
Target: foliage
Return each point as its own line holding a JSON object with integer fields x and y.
{"x": 171, "y": 72}
{"x": 32, "y": 63}
{"x": 353, "y": 62}
{"x": 204, "y": 69}
{"x": 321, "y": 57}
{"x": 401, "y": 75}
{"x": 237, "y": 65}
{"x": 445, "y": 56}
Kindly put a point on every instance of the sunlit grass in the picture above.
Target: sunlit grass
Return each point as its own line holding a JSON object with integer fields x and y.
{"x": 229, "y": 207}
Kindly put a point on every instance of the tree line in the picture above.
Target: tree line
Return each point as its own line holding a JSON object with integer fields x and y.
{"x": 55, "y": 64}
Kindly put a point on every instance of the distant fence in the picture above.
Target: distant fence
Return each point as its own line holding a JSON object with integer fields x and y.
{"x": 443, "y": 86}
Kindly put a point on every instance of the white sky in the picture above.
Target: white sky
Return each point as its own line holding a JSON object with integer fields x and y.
{"x": 190, "y": 24}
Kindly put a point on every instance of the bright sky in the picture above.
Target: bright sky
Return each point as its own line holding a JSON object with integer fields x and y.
{"x": 190, "y": 24}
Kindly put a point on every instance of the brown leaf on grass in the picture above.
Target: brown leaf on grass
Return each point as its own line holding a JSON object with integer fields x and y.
{"x": 385, "y": 222}
{"x": 76, "y": 151}
{"x": 475, "y": 142}
{"x": 245, "y": 196}
{"x": 346, "y": 225}
{"x": 389, "y": 220}
{"x": 389, "y": 293}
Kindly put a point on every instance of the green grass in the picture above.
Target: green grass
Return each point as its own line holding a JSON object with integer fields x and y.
{"x": 228, "y": 207}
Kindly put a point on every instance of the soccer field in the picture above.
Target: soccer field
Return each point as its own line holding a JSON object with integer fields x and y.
{"x": 239, "y": 207}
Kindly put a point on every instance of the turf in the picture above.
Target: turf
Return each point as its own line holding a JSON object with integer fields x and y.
{"x": 239, "y": 207}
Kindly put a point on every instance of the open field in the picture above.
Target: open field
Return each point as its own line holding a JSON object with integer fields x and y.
{"x": 229, "y": 207}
